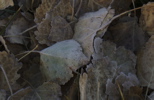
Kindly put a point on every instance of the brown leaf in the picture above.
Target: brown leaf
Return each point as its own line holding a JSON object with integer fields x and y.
{"x": 5, "y": 3}
{"x": 147, "y": 18}
{"x": 53, "y": 29}
{"x": 11, "y": 66}
{"x": 127, "y": 33}
{"x": 89, "y": 25}
{"x": 47, "y": 91}
{"x": 14, "y": 30}
{"x": 59, "y": 8}
{"x": 145, "y": 64}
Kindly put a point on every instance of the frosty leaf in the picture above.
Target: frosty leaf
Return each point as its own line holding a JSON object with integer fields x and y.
{"x": 43, "y": 9}
{"x": 47, "y": 91}
{"x": 20, "y": 93}
{"x": 13, "y": 31}
{"x": 11, "y": 66}
{"x": 53, "y": 29}
{"x": 147, "y": 18}
{"x": 5, "y": 3}
{"x": 108, "y": 63}
{"x": 88, "y": 26}
{"x": 97, "y": 77}
{"x": 145, "y": 64}
{"x": 126, "y": 82}
{"x": 58, "y": 61}
{"x": 58, "y": 8}
{"x": 125, "y": 59}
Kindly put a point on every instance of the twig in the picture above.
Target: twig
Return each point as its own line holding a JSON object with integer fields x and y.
{"x": 7, "y": 81}
{"x": 76, "y": 14}
{"x": 28, "y": 53}
{"x": 120, "y": 91}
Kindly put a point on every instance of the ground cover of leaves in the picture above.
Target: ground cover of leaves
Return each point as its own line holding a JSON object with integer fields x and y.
{"x": 76, "y": 50}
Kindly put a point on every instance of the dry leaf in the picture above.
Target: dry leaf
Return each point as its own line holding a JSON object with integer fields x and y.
{"x": 47, "y": 91}
{"x": 14, "y": 30}
{"x": 5, "y": 3}
{"x": 20, "y": 93}
{"x": 147, "y": 18}
{"x": 145, "y": 64}
{"x": 125, "y": 82}
{"x": 127, "y": 33}
{"x": 58, "y": 8}
{"x": 88, "y": 26}
{"x": 53, "y": 29}
{"x": 107, "y": 64}
{"x": 58, "y": 61}
{"x": 11, "y": 66}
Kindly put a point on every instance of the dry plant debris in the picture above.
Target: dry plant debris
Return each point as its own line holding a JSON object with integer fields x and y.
{"x": 146, "y": 20}
{"x": 86, "y": 49}
{"x": 5, "y": 3}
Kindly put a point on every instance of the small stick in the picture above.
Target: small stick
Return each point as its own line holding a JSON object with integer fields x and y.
{"x": 7, "y": 81}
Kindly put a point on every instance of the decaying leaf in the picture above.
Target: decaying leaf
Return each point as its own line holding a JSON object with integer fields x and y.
{"x": 47, "y": 91}
{"x": 147, "y": 18}
{"x": 14, "y": 30}
{"x": 20, "y": 93}
{"x": 53, "y": 29}
{"x": 5, "y": 3}
{"x": 88, "y": 26}
{"x": 127, "y": 33}
{"x": 43, "y": 9}
{"x": 58, "y": 8}
{"x": 58, "y": 61}
{"x": 126, "y": 82}
{"x": 11, "y": 66}
{"x": 107, "y": 64}
{"x": 145, "y": 64}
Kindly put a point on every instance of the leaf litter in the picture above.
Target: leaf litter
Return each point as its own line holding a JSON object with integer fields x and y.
{"x": 111, "y": 54}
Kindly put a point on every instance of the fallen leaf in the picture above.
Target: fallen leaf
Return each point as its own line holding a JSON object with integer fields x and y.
{"x": 11, "y": 66}
{"x": 126, "y": 82}
{"x": 107, "y": 65}
{"x": 20, "y": 93}
{"x": 147, "y": 18}
{"x": 145, "y": 64}
{"x": 58, "y": 61}
{"x": 14, "y": 30}
{"x": 58, "y": 8}
{"x": 53, "y": 29}
{"x": 127, "y": 33}
{"x": 88, "y": 26}
{"x": 5, "y": 4}
{"x": 47, "y": 91}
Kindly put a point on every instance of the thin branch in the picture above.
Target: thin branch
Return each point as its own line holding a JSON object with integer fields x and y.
{"x": 7, "y": 81}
